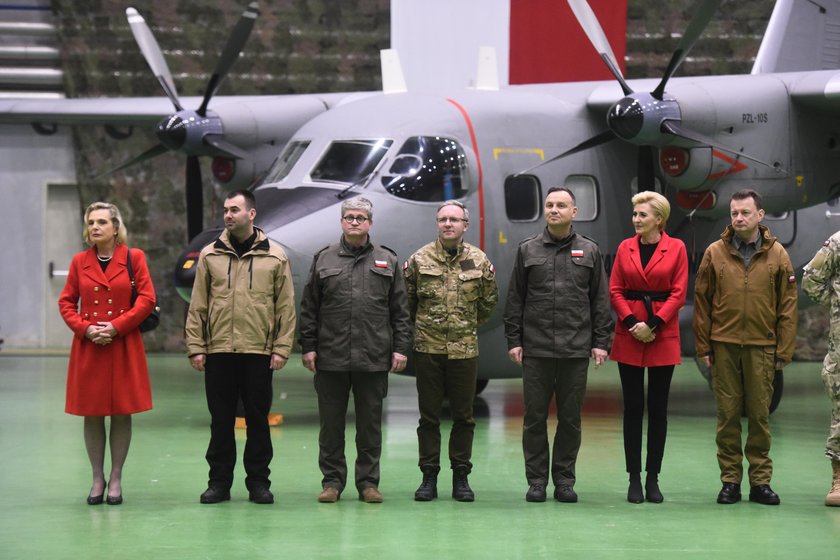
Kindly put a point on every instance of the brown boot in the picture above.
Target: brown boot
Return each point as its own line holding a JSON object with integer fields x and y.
{"x": 833, "y": 496}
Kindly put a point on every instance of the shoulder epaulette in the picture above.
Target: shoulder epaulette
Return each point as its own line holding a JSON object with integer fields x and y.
{"x": 388, "y": 249}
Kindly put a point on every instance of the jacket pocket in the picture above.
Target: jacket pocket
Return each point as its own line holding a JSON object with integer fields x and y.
{"x": 470, "y": 284}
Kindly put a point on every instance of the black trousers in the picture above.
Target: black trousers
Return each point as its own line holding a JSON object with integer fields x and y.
{"x": 227, "y": 378}
{"x": 439, "y": 378}
{"x": 333, "y": 388}
{"x": 633, "y": 389}
{"x": 565, "y": 380}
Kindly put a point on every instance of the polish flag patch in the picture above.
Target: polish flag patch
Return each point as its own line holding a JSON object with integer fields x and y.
{"x": 380, "y": 264}
{"x": 405, "y": 265}
{"x": 825, "y": 243}
{"x": 791, "y": 279}
{"x": 577, "y": 253}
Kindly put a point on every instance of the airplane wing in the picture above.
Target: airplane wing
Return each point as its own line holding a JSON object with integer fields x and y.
{"x": 133, "y": 110}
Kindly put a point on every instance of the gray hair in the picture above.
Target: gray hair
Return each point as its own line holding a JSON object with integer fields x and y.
{"x": 458, "y": 204}
{"x": 358, "y": 203}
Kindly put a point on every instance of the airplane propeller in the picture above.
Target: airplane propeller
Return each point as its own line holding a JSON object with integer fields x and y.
{"x": 195, "y": 133}
{"x": 645, "y": 119}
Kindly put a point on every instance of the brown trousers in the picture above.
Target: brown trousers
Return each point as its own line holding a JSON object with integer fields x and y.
{"x": 742, "y": 380}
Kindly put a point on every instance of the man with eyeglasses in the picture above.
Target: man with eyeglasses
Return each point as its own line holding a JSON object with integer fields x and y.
{"x": 451, "y": 291}
{"x": 354, "y": 329}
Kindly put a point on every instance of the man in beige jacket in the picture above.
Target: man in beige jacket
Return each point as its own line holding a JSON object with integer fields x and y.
{"x": 240, "y": 328}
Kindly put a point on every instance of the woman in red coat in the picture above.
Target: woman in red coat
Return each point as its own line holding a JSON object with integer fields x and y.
{"x": 107, "y": 375}
{"x": 648, "y": 284}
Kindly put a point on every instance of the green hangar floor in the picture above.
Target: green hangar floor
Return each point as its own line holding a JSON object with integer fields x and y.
{"x": 45, "y": 477}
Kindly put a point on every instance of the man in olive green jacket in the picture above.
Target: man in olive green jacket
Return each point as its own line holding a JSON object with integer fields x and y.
{"x": 240, "y": 327}
{"x": 354, "y": 329}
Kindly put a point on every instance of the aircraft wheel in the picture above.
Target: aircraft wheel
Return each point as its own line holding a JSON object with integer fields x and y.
{"x": 480, "y": 385}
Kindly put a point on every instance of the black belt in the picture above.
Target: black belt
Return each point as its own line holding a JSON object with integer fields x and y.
{"x": 647, "y": 298}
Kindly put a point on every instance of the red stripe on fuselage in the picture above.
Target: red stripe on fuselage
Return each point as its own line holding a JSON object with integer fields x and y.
{"x": 480, "y": 172}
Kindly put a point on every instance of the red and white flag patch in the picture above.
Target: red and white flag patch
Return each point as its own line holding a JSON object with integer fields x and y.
{"x": 380, "y": 264}
{"x": 791, "y": 279}
{"x": 577, "y": 253}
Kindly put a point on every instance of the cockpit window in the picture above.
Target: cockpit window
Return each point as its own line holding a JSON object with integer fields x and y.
{"x": 350, "y": 161}
{"x": 428, "y": 169}
{"x": 286, "y": 160}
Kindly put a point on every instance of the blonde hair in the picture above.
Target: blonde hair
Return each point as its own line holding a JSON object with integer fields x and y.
{"x": 116, "y": 219}
{"x": 658, "y": 203}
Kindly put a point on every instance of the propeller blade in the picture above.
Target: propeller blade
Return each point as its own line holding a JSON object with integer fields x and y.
{"x": 152, "y": 152}
{"x": 695, "y": 28}
{"x": 676, "y": 129}
{"x": 236, "y": 41}
{"x": 195, "y": 198}
{"x": 153, "y": 55}
{"x": 601, "y": 138}
{"x": 223, "y": 145}
{"x": 592, "y": 28}
{"x": 645, "y": 177}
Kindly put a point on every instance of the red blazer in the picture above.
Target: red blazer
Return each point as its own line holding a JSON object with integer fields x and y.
{"x": 667, "y": 271}
{"x": 110, "y": 379}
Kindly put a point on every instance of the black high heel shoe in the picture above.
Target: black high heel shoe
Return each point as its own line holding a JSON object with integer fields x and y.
{"x": 95, "y": 500}
{"x": 113, "y": 500}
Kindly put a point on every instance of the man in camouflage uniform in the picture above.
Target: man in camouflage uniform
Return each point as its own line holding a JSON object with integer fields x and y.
{"x": 821, "y": 283}
{"x": 451, "y": 291}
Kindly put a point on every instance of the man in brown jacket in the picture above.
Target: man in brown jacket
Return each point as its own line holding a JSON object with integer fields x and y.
{"x": 745, "y": 328}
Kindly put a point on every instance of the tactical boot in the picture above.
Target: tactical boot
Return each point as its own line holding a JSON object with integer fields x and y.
{"x": 461, "y": 490}
{"x": 833, "y": 497}
{"x": 428, "y": 488}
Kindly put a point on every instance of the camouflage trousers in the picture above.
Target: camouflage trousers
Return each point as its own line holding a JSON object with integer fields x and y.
{"x": 831, "y": 380}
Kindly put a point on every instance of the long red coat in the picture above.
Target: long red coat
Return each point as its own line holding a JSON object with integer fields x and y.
{"x": 110, "y": 379}
{"x": 666, "y": 271}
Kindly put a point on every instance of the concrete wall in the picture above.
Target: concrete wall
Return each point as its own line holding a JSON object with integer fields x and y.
{"x": 41, "y": 213}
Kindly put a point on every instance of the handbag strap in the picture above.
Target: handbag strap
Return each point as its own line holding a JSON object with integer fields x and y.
{"x": 131, "y": 276}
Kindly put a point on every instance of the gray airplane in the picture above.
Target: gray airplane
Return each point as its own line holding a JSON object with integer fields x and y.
{"x": 498, "y": 149}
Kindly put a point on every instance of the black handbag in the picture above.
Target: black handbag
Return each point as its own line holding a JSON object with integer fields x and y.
{"x": 151, "y": 322}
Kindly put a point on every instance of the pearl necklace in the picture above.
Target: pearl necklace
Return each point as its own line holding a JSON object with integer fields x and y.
{"x": 103, "y": 259}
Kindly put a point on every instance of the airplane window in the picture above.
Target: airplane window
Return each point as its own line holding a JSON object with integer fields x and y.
{"x": 428, "y": 169}
{"x": 286, "y": 160}
{"x": 523, "y": 199}
{"x": 350, "y": 161}
{"x": 585, "y": 188}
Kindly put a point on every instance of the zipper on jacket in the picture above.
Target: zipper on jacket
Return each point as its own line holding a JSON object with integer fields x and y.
{"x": 230, "y": 265}
{"x": 251, "y": 272}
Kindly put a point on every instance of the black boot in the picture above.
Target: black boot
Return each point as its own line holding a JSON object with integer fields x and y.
{"x": 428, "y": 488}
{"x": 634, "y": 492}
{"x": 461, "y": 490}
{"x": 652, "y": 489}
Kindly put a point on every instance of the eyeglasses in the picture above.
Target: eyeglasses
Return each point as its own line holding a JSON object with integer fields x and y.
{"x": 351, "y": 219}
{"x": 451, "y": 220}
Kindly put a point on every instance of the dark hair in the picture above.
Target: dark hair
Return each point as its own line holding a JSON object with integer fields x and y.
{"x": 747, "y": 193}
{"x": 562, "y": 189}
{"x": 250, "y": 199}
